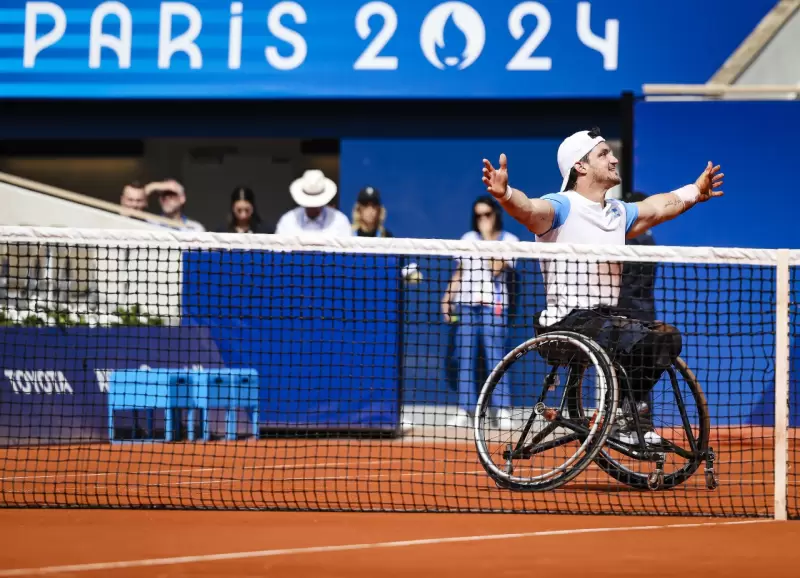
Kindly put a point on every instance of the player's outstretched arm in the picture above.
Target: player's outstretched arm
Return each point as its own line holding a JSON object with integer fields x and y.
{"x": 537, "y": 215}
{"x": 664, "y": 207}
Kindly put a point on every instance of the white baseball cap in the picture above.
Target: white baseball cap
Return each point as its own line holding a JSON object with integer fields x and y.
{"x": 573, "y": 149}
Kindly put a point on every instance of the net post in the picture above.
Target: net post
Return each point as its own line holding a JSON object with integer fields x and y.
{"x": 781, "y": 383}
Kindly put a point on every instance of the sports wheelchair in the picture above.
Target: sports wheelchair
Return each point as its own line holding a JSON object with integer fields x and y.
{"x": 586, "y": 428}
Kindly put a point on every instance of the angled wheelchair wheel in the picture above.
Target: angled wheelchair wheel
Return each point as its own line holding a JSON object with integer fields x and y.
{"x": 681, "y": 419}
{"x": 541, "y": 443}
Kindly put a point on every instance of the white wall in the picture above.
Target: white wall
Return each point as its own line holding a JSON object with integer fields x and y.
{"x": 88, "y": 281}
{"x": 25, "y": 207}
{"x": 779, "y": 61}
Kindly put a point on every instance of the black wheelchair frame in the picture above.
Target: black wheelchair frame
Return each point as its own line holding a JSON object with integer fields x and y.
{"x": 581, "y": 426}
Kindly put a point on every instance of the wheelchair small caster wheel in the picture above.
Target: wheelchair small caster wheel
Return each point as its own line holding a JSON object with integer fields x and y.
{"x": 711, "y": 480}
{"x": 509, "y": 464}
{"x": 711, "y": 477}
{"x": 655, "y": 481}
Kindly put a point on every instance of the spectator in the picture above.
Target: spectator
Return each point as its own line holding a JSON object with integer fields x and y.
{"x": 637, "y": 288}
{"x": 172, "y": 199}
{"x": 244, "y": 217}
{"x": 477, "y": 299}
{"x": 313, "y": 192}
{"x": 369, "y": 215}
{"x": 133, "y": 196}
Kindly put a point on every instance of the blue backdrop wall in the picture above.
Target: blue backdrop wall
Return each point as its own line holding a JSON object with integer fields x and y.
{"x": 756, "y": 144}
{"x": 429, "y": 185}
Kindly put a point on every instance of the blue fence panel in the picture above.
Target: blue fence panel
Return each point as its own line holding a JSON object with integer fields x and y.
{"x": 322, "y": 330}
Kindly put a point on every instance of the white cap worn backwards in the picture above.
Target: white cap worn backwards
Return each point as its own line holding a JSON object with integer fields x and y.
{"x": 573, "y": 149}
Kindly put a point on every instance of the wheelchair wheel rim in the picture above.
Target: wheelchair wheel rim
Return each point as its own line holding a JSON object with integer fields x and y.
{"x": 590, "y": 444}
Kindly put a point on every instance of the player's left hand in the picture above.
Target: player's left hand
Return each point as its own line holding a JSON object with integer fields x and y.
{"x": 709, "y": 183}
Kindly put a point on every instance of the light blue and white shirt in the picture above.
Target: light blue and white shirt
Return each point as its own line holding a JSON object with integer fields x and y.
{"x": 575, "y": 283}
{"x": 478, "y": 286}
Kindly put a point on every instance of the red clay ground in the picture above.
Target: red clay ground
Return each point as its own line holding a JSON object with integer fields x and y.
{"x": 47, "y": 539}
{"x": 397, "y": 475}
{"x": 375, "y": 475}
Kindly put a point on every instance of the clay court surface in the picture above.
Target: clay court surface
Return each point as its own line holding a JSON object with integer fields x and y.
{"x": 725, "y": 532}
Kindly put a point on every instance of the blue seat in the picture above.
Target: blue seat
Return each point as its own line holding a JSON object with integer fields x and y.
{"x": 192, "y": 390}
{"x": 152, "y": 389}
{"x": 232, "y": 390}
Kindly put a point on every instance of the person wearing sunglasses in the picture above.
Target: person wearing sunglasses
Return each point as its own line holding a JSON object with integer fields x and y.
{"x": 477, "y": 300}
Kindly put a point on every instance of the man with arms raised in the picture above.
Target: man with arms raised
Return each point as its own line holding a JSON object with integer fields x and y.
{"x": 583, "y": 296}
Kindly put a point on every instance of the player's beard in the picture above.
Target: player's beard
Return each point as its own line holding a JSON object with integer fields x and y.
{"x": 605, "y": 182}
{"x": 611, "y": 179}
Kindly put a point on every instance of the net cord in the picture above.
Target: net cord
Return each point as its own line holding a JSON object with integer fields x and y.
{"x": 168, "y": 239}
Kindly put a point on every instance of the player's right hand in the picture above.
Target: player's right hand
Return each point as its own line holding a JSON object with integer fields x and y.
{"x": 496, "y": 180}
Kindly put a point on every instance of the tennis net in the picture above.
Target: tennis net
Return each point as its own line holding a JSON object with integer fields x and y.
{"x": 184, "y": 370}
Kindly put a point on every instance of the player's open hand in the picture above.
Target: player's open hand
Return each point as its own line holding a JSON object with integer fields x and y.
{"x": 709, "y": 183}
{"x": 496, "y": 180}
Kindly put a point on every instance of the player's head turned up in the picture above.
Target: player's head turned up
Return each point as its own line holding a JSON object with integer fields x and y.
{"x": 587, "y": 163}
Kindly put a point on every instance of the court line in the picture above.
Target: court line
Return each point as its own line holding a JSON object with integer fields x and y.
{"x": 357, "y": 478}
{"x": 148, "y": 562}
{"x": 310, "y": 479}
{"x": 395, "y": 476}
{"x": 187, "y": 470}
{"x": 242, "y": 480}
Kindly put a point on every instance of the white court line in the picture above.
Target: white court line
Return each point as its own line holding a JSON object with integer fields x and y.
{"x": 592, "y": 480}
{"x": 241, "y": 480}
{"x": 46, "y": 570}
{"x": 187, "y": 470}
{"x": 378, "y": 476}
{"x": 309, "y": 479}
{"x": 104, "y": 474}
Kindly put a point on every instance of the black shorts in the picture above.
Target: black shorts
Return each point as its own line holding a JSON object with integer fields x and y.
{"x": 643, "y": 348}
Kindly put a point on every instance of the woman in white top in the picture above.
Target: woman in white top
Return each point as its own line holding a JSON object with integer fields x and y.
{"x": 477, "y": 298}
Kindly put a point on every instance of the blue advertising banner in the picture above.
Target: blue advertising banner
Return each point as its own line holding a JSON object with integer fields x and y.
{"x": 54, "y": 381}
{"x": 363, "y": 49}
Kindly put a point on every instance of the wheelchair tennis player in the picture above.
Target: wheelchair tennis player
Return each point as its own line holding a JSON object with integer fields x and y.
{"x": 581, "y": 297}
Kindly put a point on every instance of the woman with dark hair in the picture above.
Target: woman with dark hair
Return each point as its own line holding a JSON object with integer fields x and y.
{"x": 477, "y": 299}
{"x": 243, "y": 216}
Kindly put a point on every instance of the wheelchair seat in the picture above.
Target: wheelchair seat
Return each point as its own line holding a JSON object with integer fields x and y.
{"x": 563, "y": 354}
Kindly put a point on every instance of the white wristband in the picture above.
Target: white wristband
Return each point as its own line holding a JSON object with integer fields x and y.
{"x": 507, "y": 195}
{"x": 688, "y": 194}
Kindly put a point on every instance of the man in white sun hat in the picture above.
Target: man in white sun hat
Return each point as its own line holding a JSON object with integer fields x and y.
{"x": 583, "y": 296}
{"x": 312, "y": 192}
